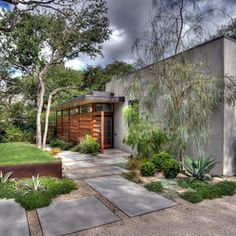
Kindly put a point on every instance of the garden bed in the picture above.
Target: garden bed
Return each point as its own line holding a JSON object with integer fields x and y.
{"x": 26, "y": 160}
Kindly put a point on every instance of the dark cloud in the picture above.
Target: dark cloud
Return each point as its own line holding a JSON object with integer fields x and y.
{"x": 128, "y": 19}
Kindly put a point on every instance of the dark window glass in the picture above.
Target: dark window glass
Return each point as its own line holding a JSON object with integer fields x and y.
{"x": 104, "y": 107}
{"x": 74, "y": 111}
{"x": 85, "y": 109}
{"x": 65, "y": 112}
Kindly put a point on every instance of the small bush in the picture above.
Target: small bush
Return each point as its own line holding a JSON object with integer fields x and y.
{"x": 76, "y": 148}
{"x": 35, "y": 199}
{"x": 89, "y": 145}
{"x": 159, "y": 159}
{"x": 132, "y": 176}
{"x": 147, "y": 169}
{"x": 155, "y": 187}
{"x": 193, "y": 197}
{"x": 135, "y": 163}
{"x": 61, "y": 144}
{"x": 171, "y": 168}
{"x": 55, "y": 151}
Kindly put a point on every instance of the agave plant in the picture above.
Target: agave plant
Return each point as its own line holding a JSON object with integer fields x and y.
{"x": 199, "y": 169}
{"x": 6, "y": 178}
{"x": 34, "y": 186}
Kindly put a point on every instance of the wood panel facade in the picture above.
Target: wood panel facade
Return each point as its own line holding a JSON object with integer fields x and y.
{"x": 94, "y": 119}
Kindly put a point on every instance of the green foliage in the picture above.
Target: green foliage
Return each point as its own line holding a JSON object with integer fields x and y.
{"x": 35, "y": 198}
{"x": 61, "y": 144}
{"x": 159, "y": 159}
{"x": 193, "y": 197}
{"x": 171, "y": 168}
{"x": 5, "y": 178}
{"x": 199, "y": 190}
{"x": 200, "y": 168}
{"x": 147, "y": 169}
{"x": 14, "y": 134}
{"x": 154, "y": 186}
{"x": 132, "y": 176}
{"x": 142, "y": 137}
{"x": 23, "y": 153}
{"x": 89, "y": 145}
{"x": 35, "y": 185}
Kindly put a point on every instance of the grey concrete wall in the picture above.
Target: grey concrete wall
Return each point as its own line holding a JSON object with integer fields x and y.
{"x": 229, "y": 112}
{"x": 220, "y": 144}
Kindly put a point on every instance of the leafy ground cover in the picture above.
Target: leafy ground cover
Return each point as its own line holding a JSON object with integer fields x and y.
{"x": 199, "y": 190}
{"x": 22, "y": 153}
{"x": 40, "y": 196}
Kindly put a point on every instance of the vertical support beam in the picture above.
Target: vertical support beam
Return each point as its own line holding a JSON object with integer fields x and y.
{"x": 69, "y": 125}
{"x": 102, "y": 132}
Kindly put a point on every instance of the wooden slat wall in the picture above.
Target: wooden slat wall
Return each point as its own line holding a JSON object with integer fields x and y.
{"x": 75, "y": 127}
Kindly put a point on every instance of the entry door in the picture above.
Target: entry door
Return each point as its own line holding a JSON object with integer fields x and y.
{"x": 108, "y": 131}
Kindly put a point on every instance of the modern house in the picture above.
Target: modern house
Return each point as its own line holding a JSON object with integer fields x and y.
{"x": 101, "y": 113}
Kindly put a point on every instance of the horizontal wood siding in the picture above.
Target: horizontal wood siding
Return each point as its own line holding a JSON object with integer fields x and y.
{"x": 74, "y": 128}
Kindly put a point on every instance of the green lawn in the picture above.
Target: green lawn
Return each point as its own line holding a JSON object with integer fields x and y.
{"x": 21, "y": 153}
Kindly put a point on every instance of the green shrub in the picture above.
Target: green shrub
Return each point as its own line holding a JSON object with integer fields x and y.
{"x": 199, "y": 169}
{"x": 61, "y": 144}
{"x": 35, "y": 198}
{"x": 89, "y": 145}
{"x": 13, "y": 134}
{"x": 193, "y": 197}
{"x": 142, "y": 136}
{"x": 170, "y": 168}
{"x": 155, "y": 187}
{"x": 227, "y": 187}
{"x": 76, "y": 148}
{"x": 147, "y": 169}
{"x": 159, "y": 159}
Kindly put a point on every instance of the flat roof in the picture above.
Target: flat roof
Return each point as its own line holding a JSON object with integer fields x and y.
{"x": 91, "y": 97}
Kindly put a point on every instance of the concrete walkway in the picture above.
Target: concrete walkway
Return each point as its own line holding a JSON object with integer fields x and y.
{"x": 131, "y": 198}
{"x": 79, "y": 166}
{"x": 13, "y": 221}
{"x": 66, "y": 217}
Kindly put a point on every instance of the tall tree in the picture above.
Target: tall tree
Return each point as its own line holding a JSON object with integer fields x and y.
{"x": 186, "y": 90}
{"x": 38, "y": 42}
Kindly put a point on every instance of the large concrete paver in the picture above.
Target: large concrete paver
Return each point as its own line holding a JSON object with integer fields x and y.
{"x": 13, "y": 220}
{"x": 67, "y": 217}
{"x": 94, "y": 163}
{"x": 68, "y": 156}
{"x": 129, "y": 197}
{"x": 95, "y": 172}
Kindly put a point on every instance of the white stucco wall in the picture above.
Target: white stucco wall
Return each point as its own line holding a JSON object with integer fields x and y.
{"x": 221, "y": 142}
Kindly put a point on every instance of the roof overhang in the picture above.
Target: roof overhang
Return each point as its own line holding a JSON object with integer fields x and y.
{"x": 89, "y": 98}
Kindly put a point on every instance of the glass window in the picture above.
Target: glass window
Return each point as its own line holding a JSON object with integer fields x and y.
{"x": 59, "y": 113}
{"x": 85, "y": 109}
{"x": 65, "y": 112}
{"x": 74, "y": 111}
{"x": 104, "y": 107}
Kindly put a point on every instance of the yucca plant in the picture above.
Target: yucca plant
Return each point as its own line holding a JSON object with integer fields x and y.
{"x": 199, "y": 169}
{"x": 35, "y": 185}
{"x": 6, "y": 178}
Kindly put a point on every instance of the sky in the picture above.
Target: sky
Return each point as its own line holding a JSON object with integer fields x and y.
{"x": 128, "y": 21}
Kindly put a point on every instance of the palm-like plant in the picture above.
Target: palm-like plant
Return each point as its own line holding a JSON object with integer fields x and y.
{"x": 6, "y": 178}
{"x": 199, "y": 169}
{"x": 34, "y": 186}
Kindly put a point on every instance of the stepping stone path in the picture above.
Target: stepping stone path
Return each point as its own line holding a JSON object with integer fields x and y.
{"x": 95, "y": 172}
{"x": 13, "y": 220}
{"x": 129, "y": 197}
{"x": 67, "y": 217}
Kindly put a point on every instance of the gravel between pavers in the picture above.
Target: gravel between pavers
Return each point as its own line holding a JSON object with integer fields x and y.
{"x": 210, "y": 217}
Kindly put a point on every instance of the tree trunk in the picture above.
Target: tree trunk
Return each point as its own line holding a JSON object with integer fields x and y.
{"x": 46, "y": 120}
{"x": 40, "y": 100}
{"x": 181, "y": 157}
